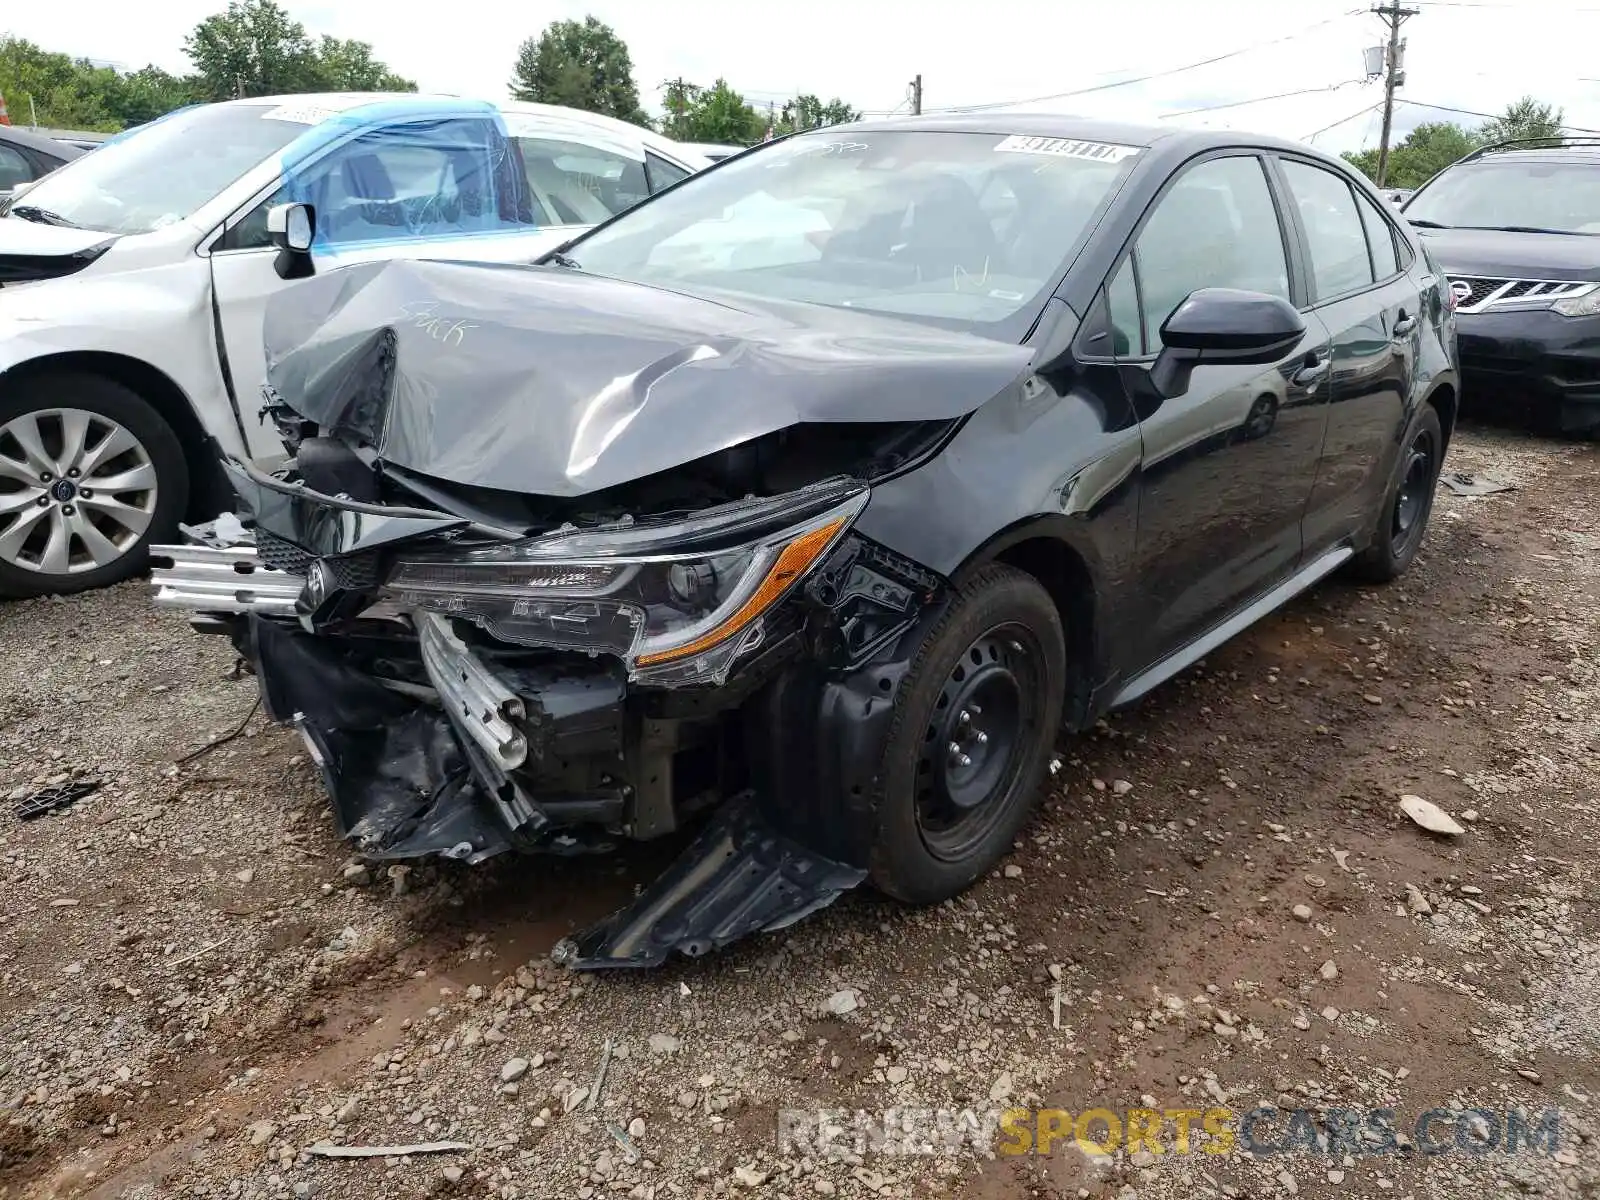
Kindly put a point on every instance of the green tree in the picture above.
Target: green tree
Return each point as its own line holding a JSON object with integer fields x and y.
{"x": 256, "y": 49}
{"x": 348, "y": 66}
{"x": 579, "y": 64}
{"x": 1527, "y": 118}
{"x": 252, "y": 49}
{"x": 714, "y": 114}
{"x": 53, "y": 89}
{"x": 806, "y": 111}
{"x": 148, "y": 93}
{"x": 1426, "y": 150}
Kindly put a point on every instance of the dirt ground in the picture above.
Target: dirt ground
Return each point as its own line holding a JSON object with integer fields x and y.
{"x": 1221, "y": 906}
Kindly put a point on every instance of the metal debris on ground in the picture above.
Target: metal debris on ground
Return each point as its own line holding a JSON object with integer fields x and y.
{"x": 600, "y": 1076}
{"x": 54, "y": 799}
{"x": 324, "y": 1150}
{"x": 1463, "y": 483}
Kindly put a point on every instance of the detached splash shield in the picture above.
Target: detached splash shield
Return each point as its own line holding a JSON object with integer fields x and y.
{"x": 430, "y": 746}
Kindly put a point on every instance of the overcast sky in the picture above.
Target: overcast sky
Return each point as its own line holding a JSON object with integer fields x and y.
{"x": 1469, "y": 54}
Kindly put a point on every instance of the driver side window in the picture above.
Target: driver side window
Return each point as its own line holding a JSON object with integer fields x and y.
{"x": 419, "y": 179}
{"x": 1216, "y": 227}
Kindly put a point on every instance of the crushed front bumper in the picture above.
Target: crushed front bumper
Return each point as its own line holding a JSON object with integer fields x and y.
{"x": 434, "y": 741}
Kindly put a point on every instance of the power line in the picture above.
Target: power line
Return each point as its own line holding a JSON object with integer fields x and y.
{"x": 1332, "y": 87}
{"x": 1103, "y": 87}
{"x": 1467, "y": 112}
{"x": 1500, "y": 5}
{"x": 1343, "y": 120}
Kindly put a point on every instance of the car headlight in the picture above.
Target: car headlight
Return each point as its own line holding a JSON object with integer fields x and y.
{"x": 1585, "y": 304}
{"x": 676, "y": 600}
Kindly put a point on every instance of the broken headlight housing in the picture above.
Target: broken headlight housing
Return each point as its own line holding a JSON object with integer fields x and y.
{"x": 677, "y": 600}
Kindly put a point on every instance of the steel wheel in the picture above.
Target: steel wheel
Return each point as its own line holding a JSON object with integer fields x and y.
{"x": 77, "y": 491}
{"x": 1411, "y": 502}
{"x": 977, "y": 741}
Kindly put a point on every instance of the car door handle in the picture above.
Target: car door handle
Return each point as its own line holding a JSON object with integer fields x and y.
{"x": 1404, "y": 325}
{"x": 1315, "y": 367}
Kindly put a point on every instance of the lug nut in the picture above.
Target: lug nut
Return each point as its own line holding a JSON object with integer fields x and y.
{"x": 67, "y": 510}
{"x": 46, "y": 477}
{"x": 981, "y": 738}
{"x": 963, "y": 760}
{"x": 73, "y": 473}
{"x": 85, "y": 493}
{"x": 965, "y": 718}
{"x": 43, "y": 501}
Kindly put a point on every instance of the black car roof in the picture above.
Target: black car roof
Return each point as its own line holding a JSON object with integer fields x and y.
{"x": 1168, "y": 138}
{"x": 39, "y": 143}
{"x": 1589, "y": 155}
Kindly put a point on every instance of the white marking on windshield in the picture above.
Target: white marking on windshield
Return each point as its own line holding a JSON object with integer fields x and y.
{"x": 1066, "y": 148}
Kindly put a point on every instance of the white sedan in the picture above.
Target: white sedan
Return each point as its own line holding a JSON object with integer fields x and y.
{"x": 133, "y": 282}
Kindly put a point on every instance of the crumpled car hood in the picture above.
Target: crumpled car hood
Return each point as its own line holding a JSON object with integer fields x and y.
{"x": 547, "y": 381}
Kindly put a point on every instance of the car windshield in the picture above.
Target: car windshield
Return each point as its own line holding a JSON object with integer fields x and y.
{"x": 164, "y": 172}
{"x": 967, "y": 228}
{"x": 1562, "y": 197}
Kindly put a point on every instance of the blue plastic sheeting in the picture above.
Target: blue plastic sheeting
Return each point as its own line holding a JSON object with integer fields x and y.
{"x": 399, "y": 170}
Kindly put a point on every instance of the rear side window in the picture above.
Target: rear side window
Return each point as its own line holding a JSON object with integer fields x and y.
{"x": 661, "y": 173}
{"x": 1334, "y": 232}
{"x": 14, "y": 169}
{"x": 1216, "y": 227}
{"x": 576, "y": 184}
{"x": 1380, "y": 238}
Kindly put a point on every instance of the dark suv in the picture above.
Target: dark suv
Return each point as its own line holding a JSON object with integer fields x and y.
{"x": 1516, "y": 227}
{"x": 824, "y": 490}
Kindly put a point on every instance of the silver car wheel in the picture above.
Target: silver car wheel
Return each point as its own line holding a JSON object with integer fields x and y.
{"x": 77, "y": 491}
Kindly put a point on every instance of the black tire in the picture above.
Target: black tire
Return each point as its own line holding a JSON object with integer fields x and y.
{"x": 1407, "y": 504}
{"x": 111, "y": 402}
{"x": 1000, "y": 638}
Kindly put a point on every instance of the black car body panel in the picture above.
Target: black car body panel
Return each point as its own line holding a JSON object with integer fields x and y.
{"x": 547, "y": 381}
{"x": 1536, "y": 358}
{"x": 454, "y": 415}
{"x": 1521, "y": 357}
{"x": 1497, "y": 254}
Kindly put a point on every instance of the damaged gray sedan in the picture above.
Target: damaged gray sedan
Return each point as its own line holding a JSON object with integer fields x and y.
{"x": 804, "y": 504}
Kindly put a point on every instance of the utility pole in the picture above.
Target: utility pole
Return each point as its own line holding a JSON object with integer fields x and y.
{"x": 916, "y": 96}
{"x": 1393, "y": 16}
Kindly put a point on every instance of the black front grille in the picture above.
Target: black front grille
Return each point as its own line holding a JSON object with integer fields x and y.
{"x": 354, "y": 572}
{"x": 281, "y": 555}
{"x": 1479, "y": 290}
{"x": 357, "y": 573}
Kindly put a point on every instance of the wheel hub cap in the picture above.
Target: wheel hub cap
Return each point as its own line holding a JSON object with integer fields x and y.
{"x": 77, "y": 491}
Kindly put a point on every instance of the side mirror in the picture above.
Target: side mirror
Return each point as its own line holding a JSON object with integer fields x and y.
{"x": 1223, "y": 325}
{"x": 292, "y": 228}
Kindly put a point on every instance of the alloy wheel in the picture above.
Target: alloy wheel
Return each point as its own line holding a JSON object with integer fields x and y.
{"x": 77, "y": 491}
{"x": 977, "y": 740}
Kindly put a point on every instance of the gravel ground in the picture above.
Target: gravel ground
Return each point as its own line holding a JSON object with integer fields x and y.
{"x": 1222, "y": 904}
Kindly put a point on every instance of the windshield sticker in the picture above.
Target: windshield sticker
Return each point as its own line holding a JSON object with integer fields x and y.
{"x": 1066, "y": 148}
{"x": 834, "y": 148}
{"x": 300, "y": 114}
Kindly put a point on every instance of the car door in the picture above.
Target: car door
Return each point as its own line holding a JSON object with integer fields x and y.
{"x": 417, "y": 188}
{"x": 1372, "y": 309}
{"x": 1228, "y": 466}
